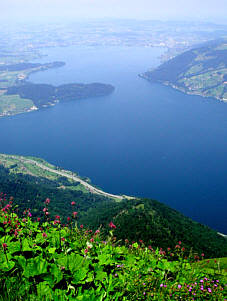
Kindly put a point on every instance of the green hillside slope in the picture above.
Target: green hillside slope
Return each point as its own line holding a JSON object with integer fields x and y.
{"x": 31, "y": 180}
{"x": 201, "y": 71}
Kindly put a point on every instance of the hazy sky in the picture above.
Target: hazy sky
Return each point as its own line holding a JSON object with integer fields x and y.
{"x": 213, "y": 10}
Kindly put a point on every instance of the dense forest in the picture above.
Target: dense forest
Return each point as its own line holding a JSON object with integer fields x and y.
{"x": 44, "y": 94}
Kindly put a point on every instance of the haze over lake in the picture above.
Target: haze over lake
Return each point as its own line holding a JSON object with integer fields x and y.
{"x": 145, "y": 139}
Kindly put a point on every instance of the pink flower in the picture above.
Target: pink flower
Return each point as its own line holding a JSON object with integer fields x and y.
{"x": 81, "y": 226}
{"x": 97, "y": 232}
{"x": 44, "y": 234}
{"x": 75, "y": 214}
{"x": 38, "y": 219}
{"x": 92, "y": 240}
{"x": 47, "y": 201}
{"x": 112, "y": 226}
{"x": 179, "y": 286}
{"x": 85, "y": 251}
{"x": 68, "y": 219}
{"x": 45, "y": 209}
{"x": 62, "y": 239}
{"x": 73, "y": 203}
{"x": 4, "y": 245}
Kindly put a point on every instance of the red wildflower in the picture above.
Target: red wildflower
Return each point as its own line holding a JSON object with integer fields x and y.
{"x": 81, "y": 226}
{"x": 73, "y": 203}
{"x": 112, "y": 226}
{"x": 75, "y": 214}
{"x": 4, "y": 246}
{"x": 44, "y": 234}
{"x": 68, "y": 219}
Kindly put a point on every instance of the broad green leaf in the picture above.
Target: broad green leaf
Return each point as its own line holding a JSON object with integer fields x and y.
{"x": 79, "y": 275}
{"x": 35, "y": 266}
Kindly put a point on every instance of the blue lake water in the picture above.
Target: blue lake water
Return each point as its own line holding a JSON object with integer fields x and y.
{"x": 145, "y": 139}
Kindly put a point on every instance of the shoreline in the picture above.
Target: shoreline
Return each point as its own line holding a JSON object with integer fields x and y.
{"x": 168, "y": 84}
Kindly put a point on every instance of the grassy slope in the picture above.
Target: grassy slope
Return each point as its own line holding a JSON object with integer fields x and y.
{"x": 201, "y": 71}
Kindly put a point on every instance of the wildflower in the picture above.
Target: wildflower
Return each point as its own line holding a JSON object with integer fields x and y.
{"x": 161, "y": 285}
{"x": 97, "y": 232}
{"x": 68, "y": 219}
{"x": 38, "y": 219}
{"x": 177, "y": 246}
{"x": 81, "y": 226}
{"x": 92, "y": 240}
{"x": 47, "y": 213}
{"x": 179, "y": 286}
{"x": 44, "y": 234}
{"x": 29, "y": 214}
{"x": 85, "y": 251}
{"x": 202, "y": 254}
{"x": 4, "y": 245}
{"x": 62, "y": 239}
{"x": 75, "y": 214}
{"x": 57, "y": 217}
{"x": 73, "y": 203}
{"x": 209, "y": 290}
{"x": 47, "y": 201}
{"x": 112, "y": 226}
{"x": 179, "y": 242}
{"x": 45, "y": 209}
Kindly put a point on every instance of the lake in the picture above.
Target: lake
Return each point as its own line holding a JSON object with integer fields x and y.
{"x": 145, "y": 139}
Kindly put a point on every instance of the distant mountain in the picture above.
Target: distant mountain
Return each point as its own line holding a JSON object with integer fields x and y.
{"x": 31, "y": 180}
{"x": 201, "y": 71}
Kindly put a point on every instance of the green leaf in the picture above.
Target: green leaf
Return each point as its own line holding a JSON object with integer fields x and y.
{"x": 79, "y": 275}
{"x": 35, "y": 267}
{"x": 75, "y": 262}
{"x": 7, "y": 266}
{"x": 14, "y": 247}
{"x": 25, "y": 245}
{"x": 52, "y": 250}
{"x": 43, "y": 290}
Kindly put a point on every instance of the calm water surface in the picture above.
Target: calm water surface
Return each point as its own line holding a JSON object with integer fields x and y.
{"x": 144, "y": 139}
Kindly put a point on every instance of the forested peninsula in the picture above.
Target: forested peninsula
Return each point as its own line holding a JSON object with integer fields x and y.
{"x": 18, "y": 95}
{"x": 44, "y": 95}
